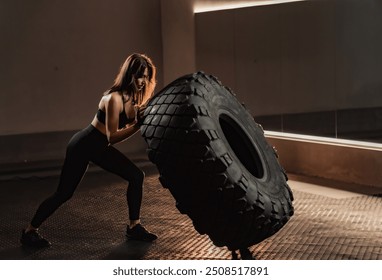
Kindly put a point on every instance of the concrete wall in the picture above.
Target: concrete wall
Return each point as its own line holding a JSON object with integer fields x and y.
{"x": 307, "y": 56}
{"x": 178, "y": 38}
{"x": 350, "y": 162}
{"x": 57, "y": 58}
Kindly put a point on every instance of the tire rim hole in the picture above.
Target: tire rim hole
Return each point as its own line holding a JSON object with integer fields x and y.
{"x": 242, "y": 146}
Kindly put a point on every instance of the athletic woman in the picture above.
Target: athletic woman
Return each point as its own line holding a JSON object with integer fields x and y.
{"x": 117, "y": 119}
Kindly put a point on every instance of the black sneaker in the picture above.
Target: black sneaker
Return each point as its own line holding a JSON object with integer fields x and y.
{"x": 138, "y": 232}
{"x": 33, "y": 239}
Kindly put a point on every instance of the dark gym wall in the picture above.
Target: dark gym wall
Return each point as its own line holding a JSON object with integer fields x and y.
{"x": 178, "y": 38}
{"x": 313, "y": 66}
{"x": 56, "y": 59}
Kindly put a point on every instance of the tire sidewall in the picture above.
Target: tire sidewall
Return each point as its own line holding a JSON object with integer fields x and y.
{"x": 222, "y": 102}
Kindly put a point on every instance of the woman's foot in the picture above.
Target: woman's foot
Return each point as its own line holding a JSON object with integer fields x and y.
{"x": 34, "y": 239}
{"x": 138, "y": 232}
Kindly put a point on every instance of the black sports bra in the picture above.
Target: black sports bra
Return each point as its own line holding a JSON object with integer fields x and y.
{"x": 123, "y": 119}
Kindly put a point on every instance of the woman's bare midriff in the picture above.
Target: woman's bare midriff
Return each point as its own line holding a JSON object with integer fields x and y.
{"x": 98, "y": 125}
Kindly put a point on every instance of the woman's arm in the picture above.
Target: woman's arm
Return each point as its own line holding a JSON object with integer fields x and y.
{"x": 113, "y": 108}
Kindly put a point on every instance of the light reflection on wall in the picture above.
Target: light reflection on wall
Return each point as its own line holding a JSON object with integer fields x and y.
{"x": 208, "y": 6}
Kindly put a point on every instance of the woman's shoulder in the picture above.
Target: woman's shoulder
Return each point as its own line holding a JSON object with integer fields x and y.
{"x": 114, "y": 96}
{"x": 113, "y": 99}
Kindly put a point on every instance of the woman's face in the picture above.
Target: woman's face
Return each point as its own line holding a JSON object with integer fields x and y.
{"x": 141, "y": 80}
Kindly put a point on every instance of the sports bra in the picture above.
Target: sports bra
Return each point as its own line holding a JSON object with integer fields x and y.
{"x": 123, "y": 119}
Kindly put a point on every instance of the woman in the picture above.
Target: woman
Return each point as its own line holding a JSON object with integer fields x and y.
{"x": 116, "y": 120}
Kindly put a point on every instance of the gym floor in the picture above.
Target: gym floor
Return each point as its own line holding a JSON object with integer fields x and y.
{"x": 329, "y": 223}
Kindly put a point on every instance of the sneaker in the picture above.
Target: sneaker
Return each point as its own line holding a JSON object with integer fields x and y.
{"x": 138, "y": 232}
{"x": 33, "y": 239}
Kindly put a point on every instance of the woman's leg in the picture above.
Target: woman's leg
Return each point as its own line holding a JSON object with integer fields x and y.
{"x": 72, "y": 172}
{"x": 74, "y": 167}
{"x": 115, "y": 162}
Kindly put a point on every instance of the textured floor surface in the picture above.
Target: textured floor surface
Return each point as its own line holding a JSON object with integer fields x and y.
{"x": 328, "y": 224}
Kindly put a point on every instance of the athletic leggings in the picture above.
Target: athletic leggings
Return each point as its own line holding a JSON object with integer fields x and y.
{"x": 88, "y": 145}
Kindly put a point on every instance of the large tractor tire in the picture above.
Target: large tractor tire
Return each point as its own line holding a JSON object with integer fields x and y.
{"x": 214, "y": 159}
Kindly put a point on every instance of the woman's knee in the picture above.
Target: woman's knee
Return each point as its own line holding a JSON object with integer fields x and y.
{"x": 136, "y": 178}
{"x": 140, "y": 176}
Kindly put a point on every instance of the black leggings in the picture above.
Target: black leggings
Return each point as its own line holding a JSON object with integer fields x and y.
{"x": 87, "y": 145}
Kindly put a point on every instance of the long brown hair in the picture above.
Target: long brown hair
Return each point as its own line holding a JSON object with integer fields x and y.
{"x": 133, "y": 68}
